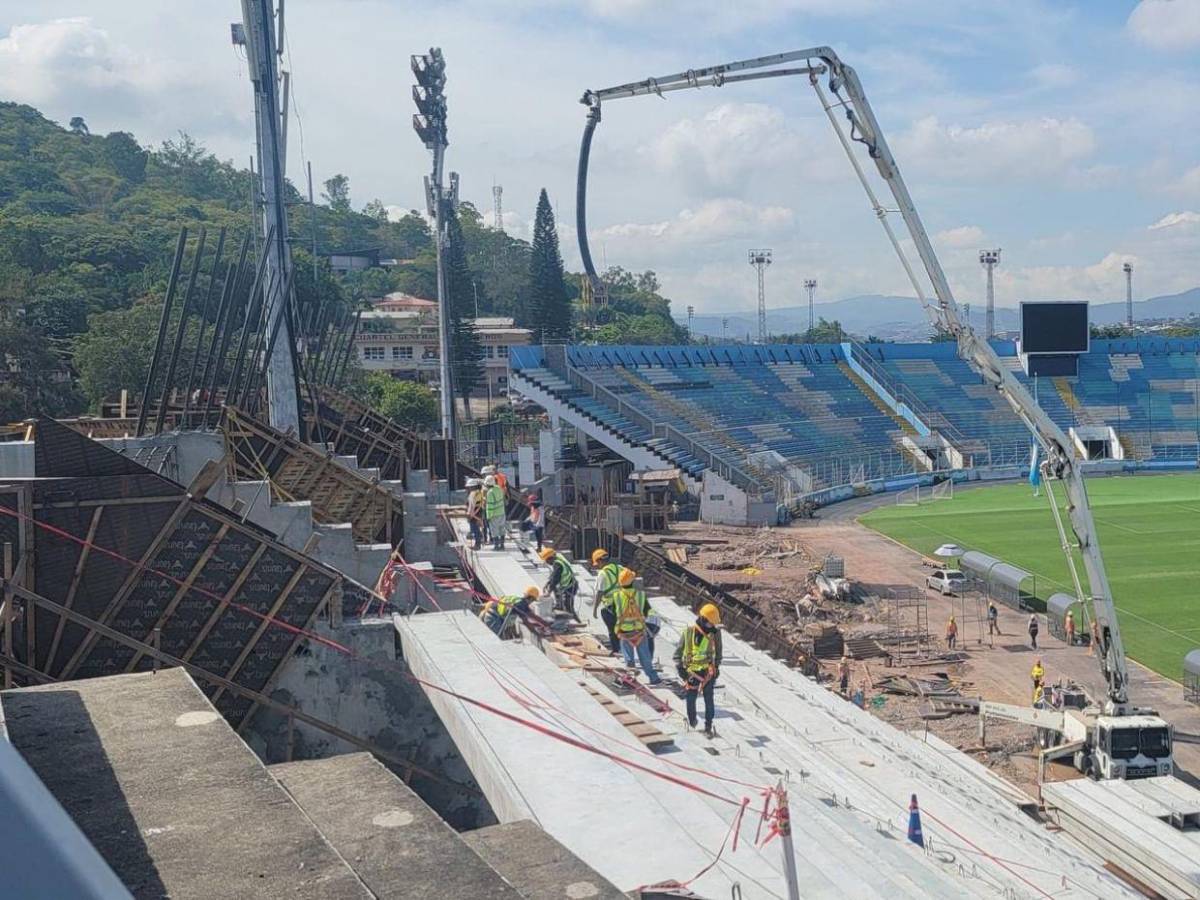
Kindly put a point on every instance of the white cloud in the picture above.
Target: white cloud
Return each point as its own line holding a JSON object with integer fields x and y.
{"x": 963, "y": 236}
{"x": 1167, "y": 24}
{"x": 716, "y": 220}
{"x": 721, "y": 13}
{"x": 1189, "y": 182}
{"x": 1028, "y": 148}
{"x": 1054, "y": 75}
{"x": 1176, "y": 219}
{"x": 720, "y": 150}
{"x": 72, "y": 66}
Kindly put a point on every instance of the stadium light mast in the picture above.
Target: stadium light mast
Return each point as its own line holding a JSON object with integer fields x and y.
{"x": 259, "y": 32}
{"x": 429, "y": 122}
{"x": 691, "y": 311}
{"x": 811, "y": 286}
{"x": 498, "y": 209}
{"x": 989, "y": 259}
{"x": 760, "y": 259}
{"x": 1128, "y": 267}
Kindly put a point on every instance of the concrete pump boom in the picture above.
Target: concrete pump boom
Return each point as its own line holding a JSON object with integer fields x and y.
{"x": 1061, "y": 461}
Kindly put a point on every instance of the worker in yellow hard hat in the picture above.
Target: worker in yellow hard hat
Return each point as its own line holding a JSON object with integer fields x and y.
{"x": 698, "y": 662}
{"x": 562, "y": 582}
{"x": 631, "y": 608}
{"x": 498, "y": 611}
{"x": 607, "y": 585}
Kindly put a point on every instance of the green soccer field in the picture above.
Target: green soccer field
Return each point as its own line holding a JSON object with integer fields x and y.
{"x": 1149, "y": 533}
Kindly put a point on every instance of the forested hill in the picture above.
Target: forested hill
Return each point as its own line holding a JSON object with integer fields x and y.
{"x": 88, "y": 224}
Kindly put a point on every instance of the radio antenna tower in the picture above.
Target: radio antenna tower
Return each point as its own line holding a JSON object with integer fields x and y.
{"x": 989, "y": 259}
{"x": 760, "y": 259}
{"x": 811, "y": 286}
{"x": 498, "y": 222}
{"x": 1128, "y": 294}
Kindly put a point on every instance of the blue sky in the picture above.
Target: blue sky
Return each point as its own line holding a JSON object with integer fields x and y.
{"x": 1062, "y": 132}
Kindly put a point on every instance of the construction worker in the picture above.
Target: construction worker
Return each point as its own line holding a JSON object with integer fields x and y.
{"x": 562, "y": 581}
{"x": 631, "y": 608}
{"x": 493, "y": 507}
{"x": 537, "y": 521}
{"x": 1038, "y": 673}
{"x": 1039, "y": 696}
{"x": 475, "y": 511}
{"x": 843, "y": 674}
{"x": 497, "y": 611}
{"x": 606, "y": 586}
{"x": 993, "y": 617}
{"x": 1070, "y": 625}
{"x": 951, "y": 633}
{"x": 1033, "y": 630}
{"x": 698, "y": 662}
{"x": 1095, "y": 648}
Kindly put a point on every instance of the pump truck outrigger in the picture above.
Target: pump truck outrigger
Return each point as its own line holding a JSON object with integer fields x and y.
{"x": 1110, "y": 739}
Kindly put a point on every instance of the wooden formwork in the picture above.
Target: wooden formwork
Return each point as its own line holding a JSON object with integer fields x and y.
{"x": 297, "y": 471}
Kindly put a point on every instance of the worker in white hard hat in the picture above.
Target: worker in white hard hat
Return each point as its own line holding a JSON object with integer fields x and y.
{"x": 475, "y": 511}
{"x": 493, "y": 507}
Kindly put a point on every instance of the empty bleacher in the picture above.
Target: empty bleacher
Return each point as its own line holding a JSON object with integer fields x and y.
{"x": 734, "y": 407}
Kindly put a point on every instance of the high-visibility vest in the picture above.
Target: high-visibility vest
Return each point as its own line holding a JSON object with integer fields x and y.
{"x": 610, "y": 581}
{"x": 1037, "y": 673}
{"x": 495, "y": 502}
{"x": 566, "y": 575}
{"x": 629, "y": 605}
{"x": 699, "y": 652}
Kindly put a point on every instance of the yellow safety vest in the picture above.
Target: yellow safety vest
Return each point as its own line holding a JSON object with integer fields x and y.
{"x": 1037, "y": 673}
{"x": 629, "y": 605}
{"x": 610, "y": 581}
{"x": 699, "y": 652}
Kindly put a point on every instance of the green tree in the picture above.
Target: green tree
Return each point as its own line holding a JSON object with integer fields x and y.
{"x": 376, "y": 210}
{"x": 115, "y": 352}
{"x": 406, "y": 403}
{"x": 549, "y": 310}
{"x": 126, "y": 158}
{"x": 466, "y": 353}
{"x": 35, "y": 379}
{"x": 337, "y": 193}
{"x": 644, "y": 329}
{"x": 78, "y": 126}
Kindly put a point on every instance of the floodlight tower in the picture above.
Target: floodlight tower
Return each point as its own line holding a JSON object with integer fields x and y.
{"x": 760, "y": 259}
{"x": 989, "y": 259}
{"x": 1128, "y": 294}
{"x": 259, "y": 32}
{"x": 429, "y": 122}
{"x": 498, "y": 222}
{"x": 691, "y": 311}
{"x": 810, "y": 285}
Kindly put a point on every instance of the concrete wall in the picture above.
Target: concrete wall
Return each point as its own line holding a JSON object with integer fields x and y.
{"x": 372, "y": 696}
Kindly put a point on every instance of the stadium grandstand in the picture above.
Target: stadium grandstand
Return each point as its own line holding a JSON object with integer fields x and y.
{"x": 781, "y": 422}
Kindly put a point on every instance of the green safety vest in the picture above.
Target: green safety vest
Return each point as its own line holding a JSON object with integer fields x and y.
{"x": 566, "y": 576}
{"x": 699, "y": 654}
{"x": 494, "y": 502}
{"x": 610, "y": 580}
{"x": 630, "y": 607}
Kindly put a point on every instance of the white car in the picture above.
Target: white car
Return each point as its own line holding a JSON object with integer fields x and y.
{"x": 946, "y": 581}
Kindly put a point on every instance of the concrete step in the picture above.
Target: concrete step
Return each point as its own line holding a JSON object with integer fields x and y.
{"x": 168, "y": 794}
{"x": 539, "y": 866}
{"x": 398, "y": 846}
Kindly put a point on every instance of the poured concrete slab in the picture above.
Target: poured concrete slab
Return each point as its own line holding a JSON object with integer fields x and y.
{"x": 398, "y": 846}
{"x": 173, "y": 800}
{"x": 850, "y": 777}
{"x": 540, "y": 867}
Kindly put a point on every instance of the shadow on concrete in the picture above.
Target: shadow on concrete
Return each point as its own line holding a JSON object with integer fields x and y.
{"x": 54, "y": 733}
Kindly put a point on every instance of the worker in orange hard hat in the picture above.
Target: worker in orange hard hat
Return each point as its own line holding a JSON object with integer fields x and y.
{"x": 498, "y": 611}
{"x": 606, "y": 587}
{"x": 631, "y": 609}
{"x": 698, "y": 662}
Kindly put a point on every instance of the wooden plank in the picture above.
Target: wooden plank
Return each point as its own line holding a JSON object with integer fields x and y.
{"x": 192, "y": 575}
{"x": 262, "y": 626}
{"x": 76, "y": 577}
{"x": 225, "y": 600}
{"x": 131, "y": 580}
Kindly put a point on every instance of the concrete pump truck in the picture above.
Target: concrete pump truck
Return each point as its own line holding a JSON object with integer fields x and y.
{"x": 1110, "y": 738}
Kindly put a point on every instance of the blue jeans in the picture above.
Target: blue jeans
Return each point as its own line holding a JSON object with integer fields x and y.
{"x": 644, "y": 657}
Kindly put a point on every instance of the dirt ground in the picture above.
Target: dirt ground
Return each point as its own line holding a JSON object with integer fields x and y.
{"x": 771, "y": 569}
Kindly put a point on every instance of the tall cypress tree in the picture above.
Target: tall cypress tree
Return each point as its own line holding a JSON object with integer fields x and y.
{"x": 549, "y": 312}
{"x": 466, "y": 353}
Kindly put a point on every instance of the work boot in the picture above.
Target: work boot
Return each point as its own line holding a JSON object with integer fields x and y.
{"x": 692, "y": 723}
{"x": 709, "y": 731}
